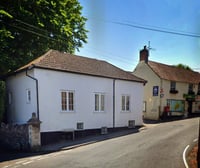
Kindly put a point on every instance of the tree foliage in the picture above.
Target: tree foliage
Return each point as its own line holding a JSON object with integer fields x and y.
{"x": 184, "y": 66}
{"x": 28, "y": 28}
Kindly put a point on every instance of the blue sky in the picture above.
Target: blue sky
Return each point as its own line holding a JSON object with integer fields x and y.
{"x": 120, "y": 44}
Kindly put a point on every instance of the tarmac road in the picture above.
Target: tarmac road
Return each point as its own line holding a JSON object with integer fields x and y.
{"x": 159, "y": 146}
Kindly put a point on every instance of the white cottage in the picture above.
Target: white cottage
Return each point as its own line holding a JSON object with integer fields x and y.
{"x": 70, "y": 92}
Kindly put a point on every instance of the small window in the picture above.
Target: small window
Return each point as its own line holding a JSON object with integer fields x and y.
{"x": 28, "y": 96}
{"x": 190, "y": 89}
{"x": 80, "y": 125}
{"x": 173, "y": 85}
{"x": 144, "y": 106}
{"x": 125, "y": 103}
{"x": 67, "y": 101}
{"x": 10, "y": 98}
{"x": 99, "y": 102}
{"x": 173, "y": 88}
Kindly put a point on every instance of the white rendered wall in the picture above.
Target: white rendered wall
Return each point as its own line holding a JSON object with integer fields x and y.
{"x": 152, "y": 102}
{"x": 50, "y": 85}
{"x": 135, "y": 91}
{"x": 84, "y": 87}
{"x": 53, "y": 119}
{"x": 19, "y": 110}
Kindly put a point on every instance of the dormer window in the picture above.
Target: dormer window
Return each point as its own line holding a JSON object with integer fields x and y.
{"x": 173, "y": 87}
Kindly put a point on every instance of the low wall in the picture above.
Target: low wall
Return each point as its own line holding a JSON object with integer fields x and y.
{"x": 25, "y": 137}
{"x": 14, "y": 137}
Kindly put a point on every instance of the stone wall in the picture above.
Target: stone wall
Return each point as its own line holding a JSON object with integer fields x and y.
{"x": 14, "y": 137}
{"x": 24, "y": 137}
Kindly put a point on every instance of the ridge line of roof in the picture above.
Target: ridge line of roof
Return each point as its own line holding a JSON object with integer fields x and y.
{"x": 53, "y": 60}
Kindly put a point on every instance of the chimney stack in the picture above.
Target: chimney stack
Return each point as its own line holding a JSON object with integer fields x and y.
{"x": 144, "y": 54}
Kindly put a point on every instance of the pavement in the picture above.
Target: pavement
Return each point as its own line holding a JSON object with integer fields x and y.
{"x": 67, "y": 144}
{"x": 6, "y": 155}
{"x": 70, "y": 144}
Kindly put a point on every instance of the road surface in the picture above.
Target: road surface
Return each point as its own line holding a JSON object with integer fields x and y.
{"x": 157, "y": 146}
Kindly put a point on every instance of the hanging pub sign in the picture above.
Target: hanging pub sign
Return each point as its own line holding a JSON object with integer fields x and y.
{"x": 155, "y": 90}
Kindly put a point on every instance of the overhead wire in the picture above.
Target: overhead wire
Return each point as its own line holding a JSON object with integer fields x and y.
{"x": 157, "y": 30}
{"x": 129, "y": 24}
{"x": 148, "y": 27}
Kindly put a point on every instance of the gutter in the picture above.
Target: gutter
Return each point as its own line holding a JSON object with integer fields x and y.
{"x": 114, "y": 103}
{"x": 36, "y": 82}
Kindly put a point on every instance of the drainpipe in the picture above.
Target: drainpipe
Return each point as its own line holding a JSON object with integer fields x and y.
{"x": 37, "y": 98}
{"x": 113, "y": 103}
{"x": 161, "y": 101}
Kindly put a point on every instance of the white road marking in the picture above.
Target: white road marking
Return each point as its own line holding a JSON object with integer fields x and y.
{"x": 25, "y": 163}
{"x": 22, "y": 161}
{"x": 35, "y": 157}
{"x": 184, "y": 156}
{"x": 42, "y": 158}
{"x": 195, "y": 140}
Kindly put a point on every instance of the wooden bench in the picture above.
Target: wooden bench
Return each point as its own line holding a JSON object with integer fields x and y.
{"x": 70, "y": 130}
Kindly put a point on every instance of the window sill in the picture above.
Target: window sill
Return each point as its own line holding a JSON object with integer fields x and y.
{"x": 125, "y": 111}
{"x": 173, "y": 91}
{"x": 99, "y": 112}
{"x": 67, "y": 111}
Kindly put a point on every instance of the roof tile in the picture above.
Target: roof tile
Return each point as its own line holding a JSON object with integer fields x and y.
{"x": 174, "y": 73}
{"x": 56, "y": 60}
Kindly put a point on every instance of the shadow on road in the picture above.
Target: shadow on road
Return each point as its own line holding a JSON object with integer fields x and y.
{"x": 6, "y": 155}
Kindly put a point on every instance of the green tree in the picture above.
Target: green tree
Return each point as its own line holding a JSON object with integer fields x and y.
{"x": 28, "y": 28}
{"x": 184, "y": 67}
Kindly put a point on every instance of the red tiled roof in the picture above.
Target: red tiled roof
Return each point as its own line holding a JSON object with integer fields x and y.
{"x": 174, "y": 73}
{"x": 56, "y": 60}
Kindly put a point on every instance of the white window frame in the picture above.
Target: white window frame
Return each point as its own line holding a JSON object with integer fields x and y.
{"x": 99, "y": 105}
{"x": 125, "y": 98}
{"x": 65, "y": 101}
{"x": 28, "y": 96}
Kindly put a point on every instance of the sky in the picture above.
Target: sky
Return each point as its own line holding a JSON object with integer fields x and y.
{"x": 119, "y": 29}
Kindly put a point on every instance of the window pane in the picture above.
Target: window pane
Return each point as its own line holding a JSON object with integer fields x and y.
{"x": 173, "y": 86}
{"x": 123, "y": 103}
{"x": 102, "y": 102}
{"x": 127, "y": 103}
{"x": 96, "y": 102}
{"x": 64, "y": 100}
{"x": 71, "y": 101}
{"x": 190, "y": 87}
{"x": 28, "y": 96}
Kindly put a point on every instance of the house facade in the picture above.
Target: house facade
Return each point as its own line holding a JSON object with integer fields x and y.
{"x": 70, "y": 92}
{"x": 170, "y": 91}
